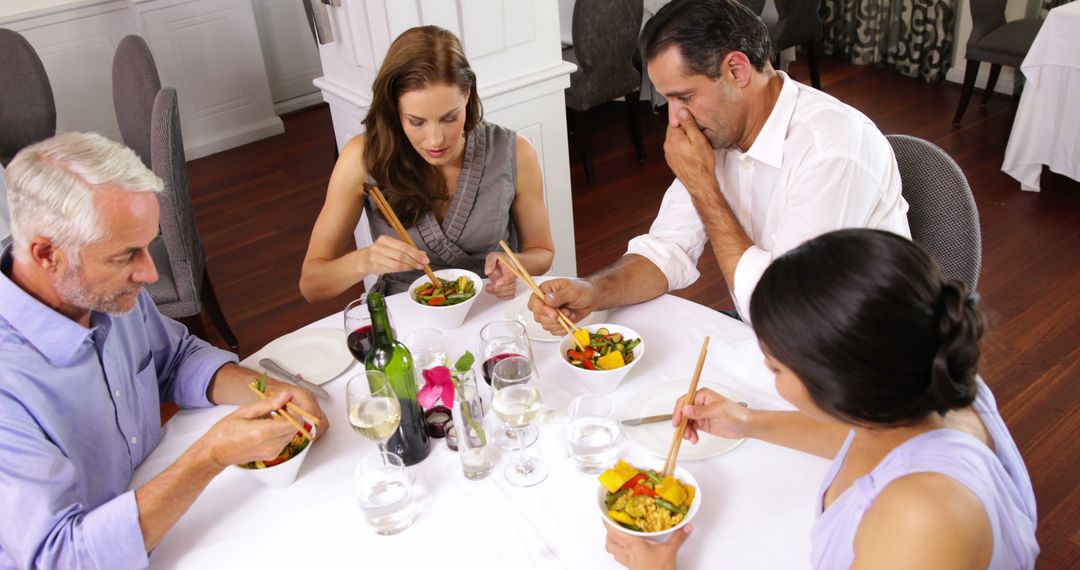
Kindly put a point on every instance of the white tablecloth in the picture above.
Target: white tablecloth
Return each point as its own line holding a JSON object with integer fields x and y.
{"x": 758, "y": 498}
{"x": 1046, "y": 129}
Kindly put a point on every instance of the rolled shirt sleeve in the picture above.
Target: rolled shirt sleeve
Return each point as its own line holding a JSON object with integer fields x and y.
{"x": 44, "y": 523}
{"x": 675, "y": 240}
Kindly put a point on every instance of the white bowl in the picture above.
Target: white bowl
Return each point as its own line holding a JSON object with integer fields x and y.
{"x": 444, "y": 318}
{"x": 682, "y": 475}
{"x": 602, "y": 381}
{"x": 284, "y": 473}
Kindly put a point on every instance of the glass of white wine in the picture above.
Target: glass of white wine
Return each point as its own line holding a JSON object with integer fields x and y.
{"x": 518, "y": 402}
{"x": 374, "y": 410}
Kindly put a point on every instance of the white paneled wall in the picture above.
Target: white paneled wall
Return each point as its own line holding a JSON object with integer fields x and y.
{"x": 514, "y": 47}
{"x": 292, "y": 57}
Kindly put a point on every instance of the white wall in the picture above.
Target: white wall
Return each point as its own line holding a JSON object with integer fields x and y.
{"x": 1007, "y": 82}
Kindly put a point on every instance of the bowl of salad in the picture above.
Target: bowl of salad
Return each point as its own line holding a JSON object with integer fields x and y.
{"x": 281, "y": 471}
{"x": 446, "y": 306}
{"x": 638, "y": 500}
{"x": 602, "y": 356}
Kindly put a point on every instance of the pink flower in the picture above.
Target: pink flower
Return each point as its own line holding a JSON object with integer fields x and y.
{"x": 437, "y": 385}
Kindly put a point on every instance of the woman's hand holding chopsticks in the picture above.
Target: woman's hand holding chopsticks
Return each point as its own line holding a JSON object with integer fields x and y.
{"x": 501, "y": 280}
{"x": 391, "y": 255}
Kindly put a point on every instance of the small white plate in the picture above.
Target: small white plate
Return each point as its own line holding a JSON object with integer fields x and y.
{"x": 656, "y": 438}
{"x": 317, "y": 354}
{"x": 518, "y": 310}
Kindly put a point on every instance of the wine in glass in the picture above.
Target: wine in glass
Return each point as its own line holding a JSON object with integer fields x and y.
{"x": 518, "y": 403}
{"x": 499, "y": 341}
{"x": 374, "y": 410}
{"x": 358, "y": 327}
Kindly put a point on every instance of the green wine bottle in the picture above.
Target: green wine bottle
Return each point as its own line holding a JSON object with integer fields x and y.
{"x": 411, "y": 441}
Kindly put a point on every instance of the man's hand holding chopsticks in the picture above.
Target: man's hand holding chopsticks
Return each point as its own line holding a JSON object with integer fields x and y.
{"x": 575, "y": 297}
{"x": 249, "y": 433}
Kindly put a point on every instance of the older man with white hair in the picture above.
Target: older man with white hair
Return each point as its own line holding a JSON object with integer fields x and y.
{"x": 86, "y": 360}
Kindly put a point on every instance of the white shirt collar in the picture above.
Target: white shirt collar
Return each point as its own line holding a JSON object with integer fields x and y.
{"x": 768, "y": 147}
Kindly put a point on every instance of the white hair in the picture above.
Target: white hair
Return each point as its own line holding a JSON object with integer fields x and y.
{"x": 51, "y": 189}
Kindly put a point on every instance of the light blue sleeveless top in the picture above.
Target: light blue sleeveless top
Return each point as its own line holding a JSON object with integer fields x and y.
{"x": 1000, "y": 481}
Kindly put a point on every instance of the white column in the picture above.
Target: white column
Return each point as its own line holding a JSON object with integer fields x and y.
{"x": 513, "y": 45}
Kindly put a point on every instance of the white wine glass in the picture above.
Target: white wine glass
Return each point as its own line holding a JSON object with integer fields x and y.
{"x": 518, "y": 402}
{"x": 373, "y": 407}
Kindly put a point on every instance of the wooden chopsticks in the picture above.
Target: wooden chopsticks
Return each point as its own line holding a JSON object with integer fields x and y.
{"x": 395, "y": 223}
{"x": 288, "y": 417}
{"x": 518, "y": 269}
{"x": 673, "y": 451}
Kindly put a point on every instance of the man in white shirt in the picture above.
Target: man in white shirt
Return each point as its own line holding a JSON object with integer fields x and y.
{"x": 762, "y": 164}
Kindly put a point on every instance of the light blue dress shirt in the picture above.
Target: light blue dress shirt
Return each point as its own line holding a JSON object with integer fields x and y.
{"x": 79, "y": 411}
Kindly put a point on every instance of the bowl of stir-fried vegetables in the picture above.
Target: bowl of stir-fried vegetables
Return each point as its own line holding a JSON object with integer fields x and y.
{"x": 446, "y": 306}
{"x": 639, "y": 500}
{"x": 281, "y": 471}
{"x": 602, "y": 355}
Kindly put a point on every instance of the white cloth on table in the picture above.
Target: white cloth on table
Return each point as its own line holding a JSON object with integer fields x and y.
{"x": 817, "y": 165}
{"x": 1046, "y": 129}
{"x": 5, "y": 215}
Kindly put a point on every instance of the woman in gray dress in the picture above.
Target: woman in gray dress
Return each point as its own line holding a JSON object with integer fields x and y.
{"x": 458, "y": 183}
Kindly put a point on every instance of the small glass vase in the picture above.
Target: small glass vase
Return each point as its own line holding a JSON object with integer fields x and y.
{"x": 475, "y": 445}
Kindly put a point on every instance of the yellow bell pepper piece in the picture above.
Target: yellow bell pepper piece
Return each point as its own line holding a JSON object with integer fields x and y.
{"x": 611, "y": 360}
{"x": 613, "y": 479}
{"x": 671, "y": 491}
{"x": 626, "y": 469}
{"x": 621, "y": 517}
{"x": 689, "y": 495}
{"x": 582, "y": 337}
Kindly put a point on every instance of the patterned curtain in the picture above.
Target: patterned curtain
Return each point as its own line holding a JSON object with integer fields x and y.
{"x": 914, "y": 37}
{"x": 1047, "y": 5}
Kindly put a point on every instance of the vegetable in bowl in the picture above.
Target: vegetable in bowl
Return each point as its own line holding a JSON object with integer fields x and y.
{"x": 449, "y": 292}
{"x": 642, "y": 501}
{"x": 601, "y": 350}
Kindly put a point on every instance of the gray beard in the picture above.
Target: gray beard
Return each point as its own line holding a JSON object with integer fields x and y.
{"x": 73, "y": 290}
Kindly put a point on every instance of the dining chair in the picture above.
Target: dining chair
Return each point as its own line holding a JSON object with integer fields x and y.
{"x": 149, "y": 120}
{"x": 941, "y": 209}
{"x": 995, "y": 41}
{"x": 605, "y": 36}
{"x": 799, "y": 24}
{"x": 27, "y": 108}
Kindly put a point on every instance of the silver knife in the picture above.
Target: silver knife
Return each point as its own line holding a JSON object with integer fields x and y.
{"x": 646, "y": 420}
{"x": 271, "y": 366}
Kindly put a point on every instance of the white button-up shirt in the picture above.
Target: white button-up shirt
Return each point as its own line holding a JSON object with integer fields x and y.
{"x": 817, "y": 165}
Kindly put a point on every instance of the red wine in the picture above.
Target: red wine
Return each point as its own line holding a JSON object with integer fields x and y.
{"x": 359, "y": 342}
{"x": 489, "y": 364}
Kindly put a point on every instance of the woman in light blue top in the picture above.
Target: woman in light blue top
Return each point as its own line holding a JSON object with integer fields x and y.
{"x": 879, "y": 355}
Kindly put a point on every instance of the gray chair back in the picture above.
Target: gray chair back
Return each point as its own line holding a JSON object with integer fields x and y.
{"x": 605, "y": 40}
{"x": 941, "y": 210}
{"x": 135, "y": 86}
{"x": 27, "y": 109}
{"x": 178, "y": 252}
{"x": 986, "y": 16}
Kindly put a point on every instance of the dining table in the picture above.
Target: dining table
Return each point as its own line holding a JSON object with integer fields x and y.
{"x": 1046, "y": 129}
{"x": 758, "y": 500}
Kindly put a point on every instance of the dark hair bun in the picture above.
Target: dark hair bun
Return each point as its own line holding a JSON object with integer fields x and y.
{"x": 960, "y": 326}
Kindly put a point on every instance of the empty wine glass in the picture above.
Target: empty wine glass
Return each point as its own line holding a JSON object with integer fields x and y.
{"x": 500, "y": 340}
{"x": 374, "y": 410}
{"x": 518, "y": 402}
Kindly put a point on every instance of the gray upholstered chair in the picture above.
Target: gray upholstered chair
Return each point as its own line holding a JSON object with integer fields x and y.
{"x": 27, "y": 109}
{"x": 605, "y": 41}
{"x": 149, "y": 120}
{"x": 799, "y": 25}
{"x": 135, "y": 86}
{"x": 995, "y": 41}
{"x": 941, "y": 210}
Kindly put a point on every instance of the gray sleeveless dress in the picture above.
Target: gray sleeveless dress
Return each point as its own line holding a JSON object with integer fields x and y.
{"x": 479, "y": 213}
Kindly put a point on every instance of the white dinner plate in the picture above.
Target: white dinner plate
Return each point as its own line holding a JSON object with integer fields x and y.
{"x": 317, "y": 354}
{"x": 656, "y": 438}
{"x": 518, "y": 310}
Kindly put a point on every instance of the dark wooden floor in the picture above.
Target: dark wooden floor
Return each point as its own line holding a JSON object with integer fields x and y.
{"x": 255, "y": 206}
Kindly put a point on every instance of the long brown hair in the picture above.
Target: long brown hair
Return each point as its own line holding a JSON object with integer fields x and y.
{"x": 418, "y": 58}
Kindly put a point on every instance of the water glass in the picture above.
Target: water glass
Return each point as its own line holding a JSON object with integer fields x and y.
{"x": 593, "y": 433}
{"x": 427, "y": 349}
{"x": 384, "y": 491}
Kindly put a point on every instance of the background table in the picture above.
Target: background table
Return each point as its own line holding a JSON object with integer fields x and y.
{"x": 758, "y": 499}
{"x": 1046, "y": 129}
